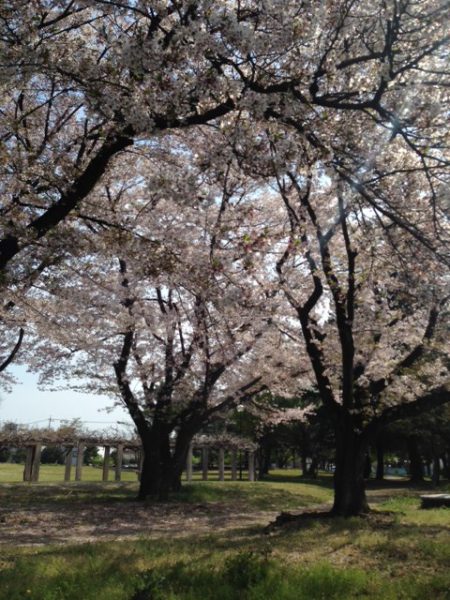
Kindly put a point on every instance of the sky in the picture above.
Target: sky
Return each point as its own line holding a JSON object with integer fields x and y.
{"x": 26, "y": 404}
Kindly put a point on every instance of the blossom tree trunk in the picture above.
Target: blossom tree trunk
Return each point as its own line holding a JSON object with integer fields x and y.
{"x": 156, "y": 467}
{"x": 415, "y": 460}
{"x": 162, "y": 468}
{"x": 380, "y": 460}
{"x": 349, "y": 486}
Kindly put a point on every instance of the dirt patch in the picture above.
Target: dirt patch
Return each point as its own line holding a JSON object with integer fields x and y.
{"x": 84, "y": 522}
{"x": 39, "y": 521}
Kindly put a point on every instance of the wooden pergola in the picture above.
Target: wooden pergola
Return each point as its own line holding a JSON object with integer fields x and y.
{"x": 75, "y": 446}
{"x": 222, "y": 443}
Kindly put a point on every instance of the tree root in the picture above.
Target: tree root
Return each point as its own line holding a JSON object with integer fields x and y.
{"x": 290, "y": 521}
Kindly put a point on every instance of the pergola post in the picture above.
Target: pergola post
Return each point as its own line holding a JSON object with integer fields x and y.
{"x": 28, "y": 464}
{"x": 119, "y": 462}
{"x": 251, "y": 466}
{"x": 221, "y": 464}
{"x": 105, "y": 473}
{"x": 79, "y": 467}
{"x": 189, "y": 463}
{"x": 234, "y": 464}
{"x": 205, "y": 455}
{"x": 36, "y": 462}
{"x": 68, "y": 463}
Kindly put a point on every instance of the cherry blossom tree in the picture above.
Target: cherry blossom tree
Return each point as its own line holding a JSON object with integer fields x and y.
{"x": 372, "y": 305}
{"x": 342, "y": 105}
{"x": 82, "y": 81}
{"x": 358, "y": 135}
{"x": 166, "y": 312}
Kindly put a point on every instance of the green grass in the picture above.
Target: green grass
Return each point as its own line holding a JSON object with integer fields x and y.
{"x": 280, "y": 492}
{"x": 220, "y": 568}
{"x": 11, "y": 473}
{"x": 261, "y": 495}
{"x": 401, "y": 552}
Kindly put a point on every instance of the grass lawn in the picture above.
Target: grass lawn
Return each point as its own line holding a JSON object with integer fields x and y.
{"x": 399, "y": 552}
{"x": 10, "y": 473}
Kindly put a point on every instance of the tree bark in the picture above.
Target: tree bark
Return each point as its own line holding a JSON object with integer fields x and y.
{"x": 162, "y": 469}
{"x": 349, "y": 487}
{"x": 446, "y": 464}
{"x": 367, "y": 466}
{"x": 304, "y": 456}
{"x": 380, "y": 461}
{"x": 312, "y": 471}
{"x": 156, "y": 448}
{"x": 179, "y": 458}
{"x": 415, "y": 460}
{"x": 265, "y": 460}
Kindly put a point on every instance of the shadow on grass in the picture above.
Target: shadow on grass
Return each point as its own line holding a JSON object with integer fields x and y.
{"x": 259, "y": 496}
{"x": 25, "y": 494}
{"x": 204, "y": 568}
{"x": 235, "y": 562}
{"x": 325, "y": 481}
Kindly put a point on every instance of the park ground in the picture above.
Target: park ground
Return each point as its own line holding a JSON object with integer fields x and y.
{"x": 93, "y": 540}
